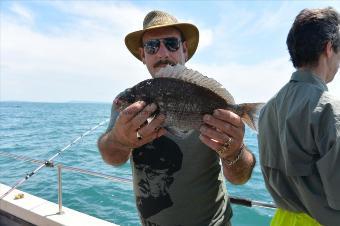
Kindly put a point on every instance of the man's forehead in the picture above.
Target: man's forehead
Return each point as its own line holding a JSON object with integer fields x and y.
{"x": 161, "y": 33}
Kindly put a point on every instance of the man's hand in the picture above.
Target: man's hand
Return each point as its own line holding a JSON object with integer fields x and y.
{"x": 133, "y": 120}
{"x": 116, "y": 145}
{"x": 223, "y": 132}
{"x": 219, "y": 128}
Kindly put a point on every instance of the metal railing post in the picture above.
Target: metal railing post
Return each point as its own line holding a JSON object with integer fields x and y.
{"x": 60, "y": 191}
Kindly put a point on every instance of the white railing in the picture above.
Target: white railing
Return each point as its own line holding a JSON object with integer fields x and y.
{"x": 60, "y": 167}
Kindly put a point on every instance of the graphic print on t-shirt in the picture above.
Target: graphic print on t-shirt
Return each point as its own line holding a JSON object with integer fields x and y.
{"x": 155, "y": 163}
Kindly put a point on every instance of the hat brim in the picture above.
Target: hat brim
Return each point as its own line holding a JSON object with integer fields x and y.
{"x": 133, "y": 41}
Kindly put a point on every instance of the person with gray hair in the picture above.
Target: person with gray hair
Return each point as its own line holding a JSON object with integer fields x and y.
{"x": 176, "y": 181}
{"x": 299, "y": 128}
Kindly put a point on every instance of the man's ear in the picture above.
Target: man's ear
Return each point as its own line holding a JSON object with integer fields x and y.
{"x": 142, "y": 54}
{"x": 185, "y": 50}
{"x": 329, "y": 49}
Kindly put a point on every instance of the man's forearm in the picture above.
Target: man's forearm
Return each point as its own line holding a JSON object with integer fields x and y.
{"x": 112, "y": 151}
{"x": 240, "y": 172}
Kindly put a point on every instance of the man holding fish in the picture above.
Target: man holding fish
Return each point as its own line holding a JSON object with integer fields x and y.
{"x": 175, "y": 149}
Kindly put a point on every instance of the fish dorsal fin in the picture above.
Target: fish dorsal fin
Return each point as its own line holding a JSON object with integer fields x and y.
{"x": 183, "y": 73}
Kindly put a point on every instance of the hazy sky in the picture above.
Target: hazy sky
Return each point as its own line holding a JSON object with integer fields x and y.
{"x": 57, "y": 51}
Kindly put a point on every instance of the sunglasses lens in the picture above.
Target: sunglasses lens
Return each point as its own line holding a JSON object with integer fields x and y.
{"x": 152, "y": 46}
{"x": 172, "y": 44}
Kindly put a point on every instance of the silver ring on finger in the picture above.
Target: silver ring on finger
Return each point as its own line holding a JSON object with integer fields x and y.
{"x": 138, "y": 135}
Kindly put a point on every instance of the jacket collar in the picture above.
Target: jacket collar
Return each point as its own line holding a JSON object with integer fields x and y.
{"x": 308, "y": 77}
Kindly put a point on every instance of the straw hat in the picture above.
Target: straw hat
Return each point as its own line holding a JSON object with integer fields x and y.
{"x": 159, "y": 19}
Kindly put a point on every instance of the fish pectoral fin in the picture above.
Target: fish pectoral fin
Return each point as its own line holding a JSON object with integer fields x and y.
{"x": 177, "y": 132}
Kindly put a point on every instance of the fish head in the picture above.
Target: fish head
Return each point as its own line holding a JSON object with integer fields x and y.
{"x": 124, "y": 99}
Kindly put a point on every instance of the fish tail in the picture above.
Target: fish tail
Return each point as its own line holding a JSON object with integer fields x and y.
{"x": 250, "y": 113}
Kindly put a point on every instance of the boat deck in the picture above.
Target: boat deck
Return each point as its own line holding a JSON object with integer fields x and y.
{"x": 31, "y": 210}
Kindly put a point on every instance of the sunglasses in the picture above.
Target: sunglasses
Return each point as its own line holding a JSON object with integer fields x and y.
{"x": 152, "y": 46}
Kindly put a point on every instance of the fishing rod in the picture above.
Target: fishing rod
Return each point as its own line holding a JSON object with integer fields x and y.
{"x": 233, "y": 199}
{"x": 250, "y": 203}
{"x": 49, "y": 161}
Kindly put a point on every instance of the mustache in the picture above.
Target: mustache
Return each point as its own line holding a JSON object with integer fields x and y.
{"x": 162, "y": 62}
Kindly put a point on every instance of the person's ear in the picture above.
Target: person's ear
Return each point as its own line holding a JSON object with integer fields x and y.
{"x": 329, "y": 49}
{"x": 185, "y": 50}
{"x": 142, "y": 54}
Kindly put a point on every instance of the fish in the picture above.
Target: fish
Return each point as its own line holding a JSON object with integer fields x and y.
{"x": 184, "y": 96}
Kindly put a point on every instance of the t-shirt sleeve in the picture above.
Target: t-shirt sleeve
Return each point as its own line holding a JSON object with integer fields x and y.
{"x": 113, "y": 118}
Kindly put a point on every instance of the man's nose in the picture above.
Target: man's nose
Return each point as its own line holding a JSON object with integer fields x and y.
{"x": 163, "y": 51}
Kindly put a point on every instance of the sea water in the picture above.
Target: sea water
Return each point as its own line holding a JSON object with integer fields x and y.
{"x": 40, "y": 130}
